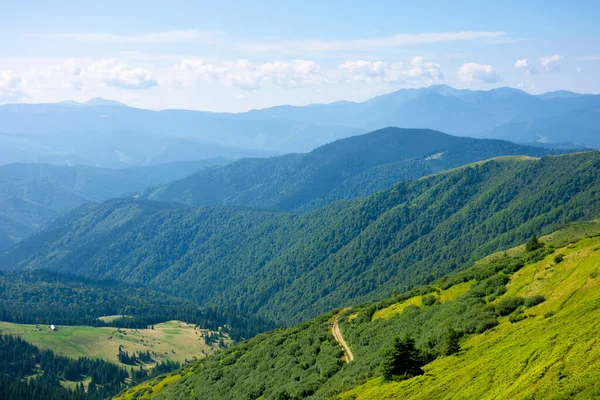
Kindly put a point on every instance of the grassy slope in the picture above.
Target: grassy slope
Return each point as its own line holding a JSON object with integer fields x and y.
{"x": 543, "y": 356}
{"x": 547, "y": 356}
{"x": 173, "y": 340}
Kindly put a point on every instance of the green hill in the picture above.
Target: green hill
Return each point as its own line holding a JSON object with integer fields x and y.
{"x": 345, "y": 169}
{"x": 32, "y": 194}
{"x": 518, "y": 324}
{"x": 288, "y": 267}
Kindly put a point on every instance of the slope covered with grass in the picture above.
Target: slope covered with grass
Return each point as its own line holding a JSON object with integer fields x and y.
{"x": 525, "y": 322}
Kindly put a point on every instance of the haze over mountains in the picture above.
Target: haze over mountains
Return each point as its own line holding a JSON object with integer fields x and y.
{"x": 32, "y": 194}
{"x": 109, "y": 134}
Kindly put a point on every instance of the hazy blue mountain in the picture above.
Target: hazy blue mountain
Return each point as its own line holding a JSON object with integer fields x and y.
{"x": 503, "y": 113}
{"x": 579, "y": 126}
{"x": 33, "y": 194}
{"x": 204, "y": 127}
{"x": 5, "y": 241}
{"x": 459, "y": 112}
{"x": 118, "y": 149}
{"x": 344, "y": 169}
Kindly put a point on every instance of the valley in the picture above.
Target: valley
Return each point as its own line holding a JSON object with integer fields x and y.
{"x": 174, "y": 341}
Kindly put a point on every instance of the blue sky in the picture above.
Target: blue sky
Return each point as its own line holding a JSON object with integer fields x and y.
{"x": 238, "y": 55}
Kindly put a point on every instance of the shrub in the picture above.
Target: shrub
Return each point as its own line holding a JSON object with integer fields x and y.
{"x": 508, "y": 305}
{"x": 428, "y": 300}
{"x": 533, "y": 244}
{"x": 451, "y": 343}
{"x": 534, "y": 300}
{"x": 516, "y": 317}
{"x": 558, "y": 258}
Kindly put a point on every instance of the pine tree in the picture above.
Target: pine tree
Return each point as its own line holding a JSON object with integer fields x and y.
{"x": 402, "y": 361}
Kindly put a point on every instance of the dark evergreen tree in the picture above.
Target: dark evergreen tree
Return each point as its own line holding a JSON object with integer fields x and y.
{"x": 533, "y": 244}
{"x": 402, "y": 361}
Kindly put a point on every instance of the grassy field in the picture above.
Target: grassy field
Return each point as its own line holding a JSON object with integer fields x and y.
{"x": 554, "y": 353}
{"x": 444, "y": 295}
{"x": 173, "y": 340}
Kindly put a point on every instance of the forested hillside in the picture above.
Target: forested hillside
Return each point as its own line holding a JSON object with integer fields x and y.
{"x": 288, "y": 267}
{"x": 33, "y": 194}
{"x": 347, "y": 168}
{"x": 518, "y": 324}
{"x": 42, "y": 297}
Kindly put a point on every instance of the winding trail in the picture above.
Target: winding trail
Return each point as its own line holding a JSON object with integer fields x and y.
{"x": 334, "y": 327}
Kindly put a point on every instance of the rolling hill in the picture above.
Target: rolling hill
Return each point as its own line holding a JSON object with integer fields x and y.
{"x": 518, "y": 324}
{"x": 288, "y": 267}
{"x": 344, "y": 169}
{"x": 33, "y": 194}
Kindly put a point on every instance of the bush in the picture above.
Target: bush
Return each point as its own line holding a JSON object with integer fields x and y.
{"x": 508, "y": 305}
{"x": 451, "y": 343}
{"x": 516, "y": 317}
{"x": 534, "y": 301}
{"x": 533, "y": 244}
{"x": 428, "y": 300}
{"x": 558, "y": 258}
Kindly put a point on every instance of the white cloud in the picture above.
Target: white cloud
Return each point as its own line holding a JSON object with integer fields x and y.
{"x": 113, "y": 73}
{"x": 551, "y": 63}
{"x": 281, "y": 46}
{"x": 379, "y": 71}
{"x": 189, "y": 35}
{"x": 578, "y": 70}
{"x": 86, "y": 74}
{"x": 525, "y": 65}
{"x": 11, "y": 87}
{"x": 250, "y": 76}
{"x": 471, "y": 72}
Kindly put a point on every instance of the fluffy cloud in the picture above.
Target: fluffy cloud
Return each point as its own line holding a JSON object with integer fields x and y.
{"x": 379, "y": 71}
{"x": 250, "y": 76}
{"x": 118, "y": 75}
{"x": 525, "y": 65}
{"x": 471, "y": 72}
{"x": 551, "y": 63}
{"x": 11, "y": 87}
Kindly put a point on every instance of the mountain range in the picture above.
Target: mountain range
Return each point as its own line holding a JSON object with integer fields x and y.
{"x": 110, "y": 134}
{"x": 344, "y": 169}
{"x": 33, "y": 194}
{"x": 288, "y": 266}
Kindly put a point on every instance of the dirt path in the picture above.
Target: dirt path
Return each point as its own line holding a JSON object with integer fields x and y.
{"x": 337, "y": 334}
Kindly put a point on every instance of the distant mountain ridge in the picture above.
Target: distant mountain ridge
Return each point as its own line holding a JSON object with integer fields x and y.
{"x": 503, "y": 113}
{"x": 344, "y": 169}
{"x": 32, "y": 194}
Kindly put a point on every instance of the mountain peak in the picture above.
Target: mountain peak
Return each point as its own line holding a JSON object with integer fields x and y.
{"x": 99, "y": 101}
